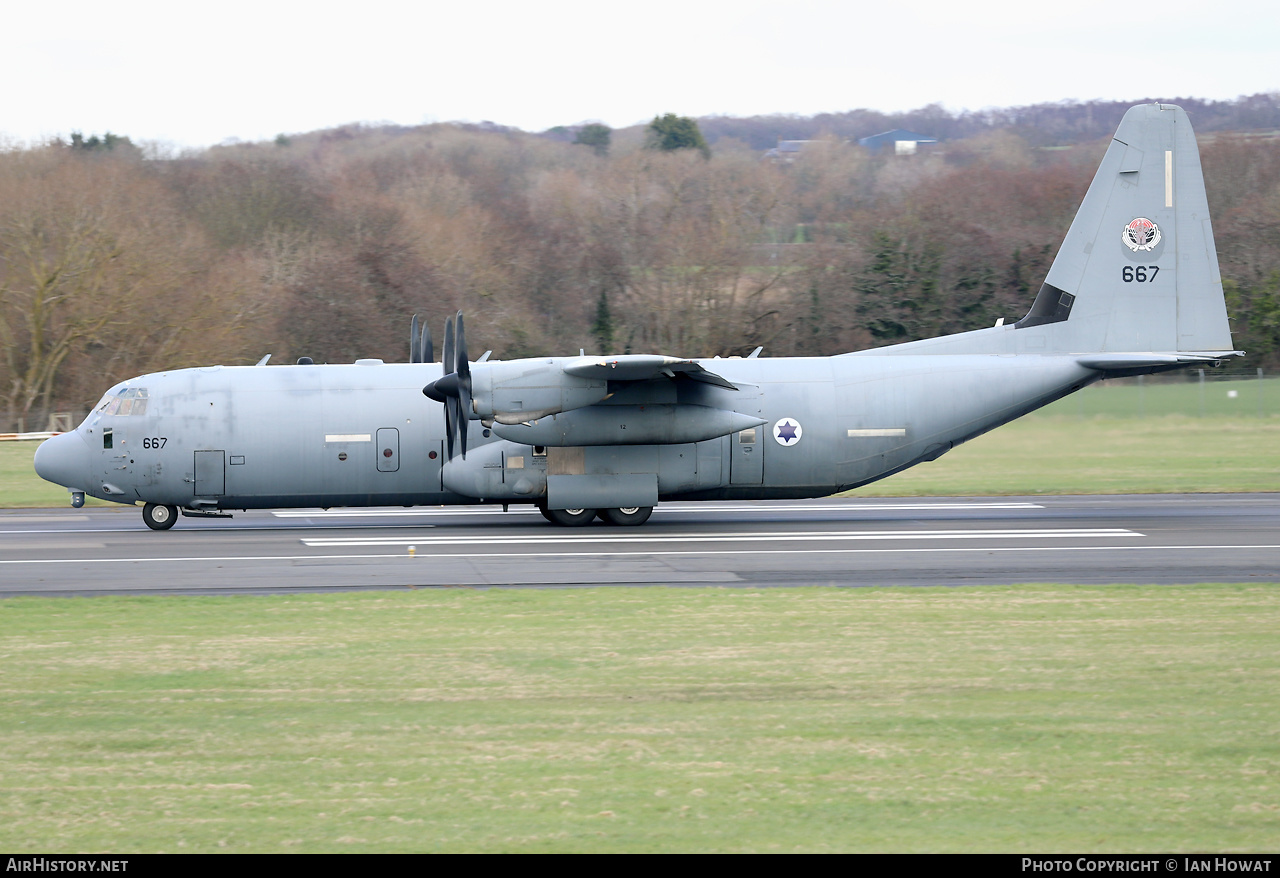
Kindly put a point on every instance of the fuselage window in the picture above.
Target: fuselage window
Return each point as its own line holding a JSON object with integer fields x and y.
{"x": 107, "y": 439}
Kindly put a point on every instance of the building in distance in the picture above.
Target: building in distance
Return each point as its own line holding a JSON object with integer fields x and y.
{"x": 904, "y": 142}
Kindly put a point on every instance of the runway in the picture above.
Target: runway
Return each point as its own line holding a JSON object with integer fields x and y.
{"x": 850, "y": 542}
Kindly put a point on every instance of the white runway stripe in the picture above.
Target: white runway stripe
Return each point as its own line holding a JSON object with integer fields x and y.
{"x": 781, "y": 537}
{"x": 417, "y": 559}
{"x": 699, "y": 507}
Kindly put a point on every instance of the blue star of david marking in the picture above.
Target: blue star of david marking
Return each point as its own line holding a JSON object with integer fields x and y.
{"x": 787, "y": 432}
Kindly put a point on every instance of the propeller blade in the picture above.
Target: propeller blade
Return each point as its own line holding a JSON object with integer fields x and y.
{"x": 425, "y": 349}
{"x": 463, "y": 385}
{"x": 461, "y": 367}
{"x": 446, "y": 359}
{"x": 448, "y": 426}
{"x": 415, "y": 341}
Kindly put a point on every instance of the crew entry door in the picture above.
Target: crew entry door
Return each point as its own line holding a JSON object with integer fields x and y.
{"x": 210, "y": 473}
{"x": 388, "y": 450}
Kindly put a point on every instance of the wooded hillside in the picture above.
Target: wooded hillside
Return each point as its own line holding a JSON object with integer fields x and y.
{"x": 113, "y": 263}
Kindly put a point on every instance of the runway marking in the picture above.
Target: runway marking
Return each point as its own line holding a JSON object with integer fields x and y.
{"x": 420, "y": 513}
{"x": 989, "y": 550}
{"x": 51, "y": 545}
{"x": 792, "y": 536}
{"x": 829, "y": 507}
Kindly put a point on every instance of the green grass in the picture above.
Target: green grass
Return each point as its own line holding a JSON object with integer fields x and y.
{"x": 21, "y": 487}
{"x": 1043, "y": 454}
{"x": 1119, "y": 438}
{"x": 1132, "y": 398}
{"x": 1045, "y": 718}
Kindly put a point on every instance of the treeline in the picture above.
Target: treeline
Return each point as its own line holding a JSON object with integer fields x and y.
{"x": 1063, "y": 123}
{"x": 113, "y": 263}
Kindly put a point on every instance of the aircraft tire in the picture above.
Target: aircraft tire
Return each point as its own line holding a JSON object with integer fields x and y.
{"x": 159, "y": 517}
{"x": 569, "y": 517}
{"x": 626, "y": 516}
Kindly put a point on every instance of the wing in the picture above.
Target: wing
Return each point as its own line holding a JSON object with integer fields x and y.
{"x": 642, "y": 367}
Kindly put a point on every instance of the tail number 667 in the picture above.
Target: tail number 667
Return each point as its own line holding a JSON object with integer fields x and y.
{"x": 1139, "y": 273}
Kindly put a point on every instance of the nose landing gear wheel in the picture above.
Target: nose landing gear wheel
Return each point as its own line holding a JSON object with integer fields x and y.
{"x": 628, "y": 516}
{"x": 159, "y": 517}
{"x": 569, "y": 517}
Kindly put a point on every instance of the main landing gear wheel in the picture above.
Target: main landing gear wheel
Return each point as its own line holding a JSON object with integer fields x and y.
{"x": 159, "y": 517}
{"x": 569, "y": 517}
{"x": 626, "y": 516}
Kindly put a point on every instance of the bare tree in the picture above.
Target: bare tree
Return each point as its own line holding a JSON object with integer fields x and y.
{"x": 53, "y": 296}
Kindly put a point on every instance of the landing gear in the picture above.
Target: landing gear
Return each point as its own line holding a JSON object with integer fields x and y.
{"x": 626, "y": 516}
{"x": 568, "y": 517}
{"x": 159, "y": 517}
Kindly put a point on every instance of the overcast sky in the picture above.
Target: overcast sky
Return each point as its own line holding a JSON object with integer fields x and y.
{"x": 199, "y": 74}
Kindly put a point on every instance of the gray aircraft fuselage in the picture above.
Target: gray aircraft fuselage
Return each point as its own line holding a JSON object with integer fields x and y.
{"x": 278, "y": 436}
{"x": 1134, "y": 289}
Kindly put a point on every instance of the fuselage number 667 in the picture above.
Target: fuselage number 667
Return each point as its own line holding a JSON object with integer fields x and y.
{"x": 1139, "y": 274}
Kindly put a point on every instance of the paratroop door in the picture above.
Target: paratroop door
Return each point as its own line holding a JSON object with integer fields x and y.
{"x": 210, "y": 473}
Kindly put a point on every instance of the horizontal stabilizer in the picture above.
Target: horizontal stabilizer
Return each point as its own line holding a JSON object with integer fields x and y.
{"x": 1114, "y": 361}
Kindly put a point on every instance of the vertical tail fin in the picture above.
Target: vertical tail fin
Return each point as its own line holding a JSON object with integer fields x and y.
{"x": 1138, "y": 270}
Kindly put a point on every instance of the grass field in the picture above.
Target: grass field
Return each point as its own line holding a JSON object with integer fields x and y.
{"x": 1100, "y": 455}
{"x": 1110, "y": 439}
{"x": 1046, "y": 718}
{"x": 1022, "y": 718}
{"x": 1119, "y": 438}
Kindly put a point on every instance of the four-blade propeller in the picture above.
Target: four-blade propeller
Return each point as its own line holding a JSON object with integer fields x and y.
{"x": 454, "y": 388}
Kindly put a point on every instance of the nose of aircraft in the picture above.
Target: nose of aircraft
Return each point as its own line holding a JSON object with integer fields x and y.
{"x": 64, "y": 460}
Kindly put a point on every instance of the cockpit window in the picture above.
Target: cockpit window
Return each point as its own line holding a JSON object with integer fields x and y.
{"x": 126, "y": 401}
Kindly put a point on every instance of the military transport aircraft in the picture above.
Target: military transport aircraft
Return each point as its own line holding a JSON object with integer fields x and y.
{"x": 1134, "y": 290}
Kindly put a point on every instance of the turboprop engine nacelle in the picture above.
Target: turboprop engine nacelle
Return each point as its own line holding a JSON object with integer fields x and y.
{"x": 654, "y": 424}
{"x": 522, "y": 391}
{"x": 526, "y": 390}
